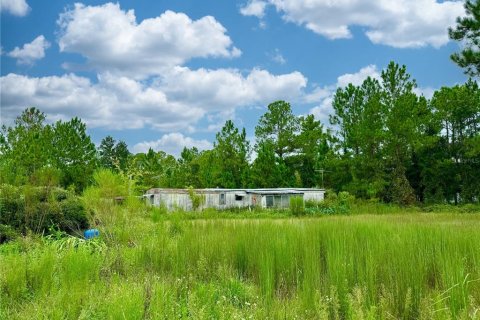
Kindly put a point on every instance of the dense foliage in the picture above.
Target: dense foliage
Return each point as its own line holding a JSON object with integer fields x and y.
{"x": 399, "y": 147}
{"x": 40, "y": 210}
{"x": 384, "y": 142}
{"x": 33, "y": 152}
{"x": 467, "y": 32}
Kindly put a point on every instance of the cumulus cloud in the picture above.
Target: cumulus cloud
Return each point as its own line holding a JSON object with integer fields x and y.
{"x": 113, "y": 102}
{"x": 30, "y": 52}
{"x": 18, "y": 8}
{"x": 323, "y": 110}
{"x": 357, "y": 78}
{"x": 223, "y": 89}
{"x": 172, "y": 143}
{"x": 141, "y": 82}
{"x": 254, "y": 8}
{"x": 112, "y": 40}
{"x": 400, "y": 24}
{"x": 175, "y": 101}
{"x": 317, "y": 94}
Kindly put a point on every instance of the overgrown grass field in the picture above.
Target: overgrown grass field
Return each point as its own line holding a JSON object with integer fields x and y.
{"x": 148, "y": 265}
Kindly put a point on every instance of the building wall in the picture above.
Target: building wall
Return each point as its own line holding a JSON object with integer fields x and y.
{"x": 279, "y": 200}
{"x": 231, "y": 199}
{"x": 173, "y": 199}
{"x": 256, "y": 200}
{"x": 316, "y": 195}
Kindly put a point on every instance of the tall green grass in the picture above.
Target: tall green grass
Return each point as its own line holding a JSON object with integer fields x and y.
{"x": 409, "y": 266}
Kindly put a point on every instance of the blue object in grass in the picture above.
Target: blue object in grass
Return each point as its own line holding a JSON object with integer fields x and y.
{"x": 91, "y": 233}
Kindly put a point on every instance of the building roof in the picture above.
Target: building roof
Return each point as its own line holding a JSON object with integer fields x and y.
{"x": 275, "y": 191}
{"x": 222, "y": 190}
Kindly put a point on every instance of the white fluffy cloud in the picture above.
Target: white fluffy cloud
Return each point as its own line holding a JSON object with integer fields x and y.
{"x": 30, "y": 52}
{"x": 317, "y": 94}
{"x": 112, "y": 40}
{"x": 254, "y": 8}
{"x": 357, "y": 78}
{"x": 175, "y": 101}
{"x": 16, "y": 7}
{"x": 172, "y": 143}
{"x": 223, "y": 89}
{"x": 323, "y": 110}
{"x": 141, "y": 81}
{"x": 113, "y": 102}
{"x": 401, "y": 24}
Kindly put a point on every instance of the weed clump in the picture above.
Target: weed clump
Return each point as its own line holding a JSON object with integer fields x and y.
{"x": 157, "y": 213}
{"x": 297, "y": 206}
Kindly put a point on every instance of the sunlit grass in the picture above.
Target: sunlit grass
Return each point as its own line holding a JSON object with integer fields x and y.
{"x": 392, "y": 266}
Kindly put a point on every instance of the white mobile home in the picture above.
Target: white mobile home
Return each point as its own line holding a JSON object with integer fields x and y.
{"x": 231, "y": 198}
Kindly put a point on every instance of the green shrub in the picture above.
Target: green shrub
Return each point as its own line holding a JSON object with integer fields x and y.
{"x": 11, "y": 206}
{"x": 333, "y": 203}
{"x": 110, "y": 184}
{"x": 7, "y": 233}
{"x": 99, "y": 198}
{"x": 38, "y": 208}
{"x": 345, "y": 201}
{"x": 297, "y": 207}
{"x": 470, "y": 208}
{"x": 60, "y": 194}
{"x": 311, "y": 204}
{"x": 465, "y": 208}
{"x": 46, "y": 176}
{"x": 74, "y": 215}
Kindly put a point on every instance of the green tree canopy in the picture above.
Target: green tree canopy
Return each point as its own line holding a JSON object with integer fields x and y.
{"x": 267, "y": 169}
{"x": 31, "y": 148}
{"x": 74, "y": 153}
{"x": 279, "y": 126}
{"x": 312, "y": 147}
{"x": 26, "y": 147}
{"x": 232, "y": 150}
{"x": 106, "y": 152}
{"x": 458, "y": 110}
{"x": 113, "y": 155}
{"x": 467, "y": 32}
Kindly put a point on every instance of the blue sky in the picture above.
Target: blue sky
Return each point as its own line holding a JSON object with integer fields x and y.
{"x": 168, "y": 74}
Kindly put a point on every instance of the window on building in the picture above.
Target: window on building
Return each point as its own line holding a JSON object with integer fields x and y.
{"x": 238, "y": 197}
{"x": 222, "y": 199}
{"x": 152, "y": 199}
{"x": 269, "y": 201}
